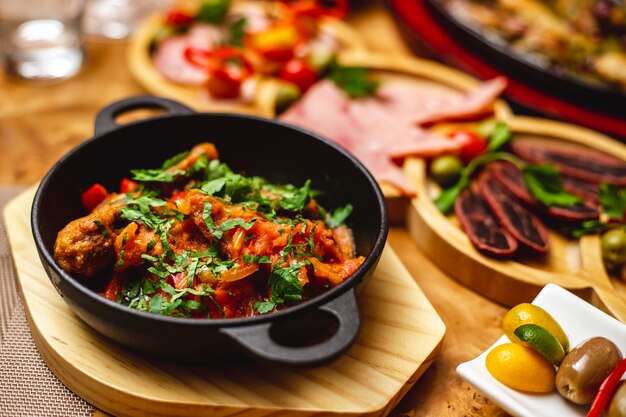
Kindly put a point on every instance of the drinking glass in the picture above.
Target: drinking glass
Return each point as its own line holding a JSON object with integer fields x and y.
{"x": 117, "y": 19}
{"x": 41, "y": 39}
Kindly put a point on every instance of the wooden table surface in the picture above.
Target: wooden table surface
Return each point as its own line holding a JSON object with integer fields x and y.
{"x": 40, "y": 122}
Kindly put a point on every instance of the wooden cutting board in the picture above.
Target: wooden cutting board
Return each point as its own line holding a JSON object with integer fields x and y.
{"x": 573, "y": 264}
{"x": 400, "y": 337}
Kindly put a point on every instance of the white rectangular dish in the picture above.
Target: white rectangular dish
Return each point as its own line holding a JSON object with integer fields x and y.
{"x": 580, "y": 321}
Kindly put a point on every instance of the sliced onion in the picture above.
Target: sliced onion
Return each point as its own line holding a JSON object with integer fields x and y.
{"x": 238, "y": 273}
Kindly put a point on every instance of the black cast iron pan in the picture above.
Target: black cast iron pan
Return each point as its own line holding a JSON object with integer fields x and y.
{"x": 251, "y": 145}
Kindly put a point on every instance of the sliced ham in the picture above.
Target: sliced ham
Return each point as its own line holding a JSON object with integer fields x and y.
{"x": 169, "y": 58}
{"x": 381, "y": 128}
{"x": 474, "y": 103}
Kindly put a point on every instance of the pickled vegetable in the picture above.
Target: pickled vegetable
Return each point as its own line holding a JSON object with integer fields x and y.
{"x": 585, "y": 368}
{"x": 446, "y": 170}
{"x": 520, "y": 368}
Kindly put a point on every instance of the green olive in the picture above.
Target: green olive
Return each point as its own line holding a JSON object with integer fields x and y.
{"x": 285, "y": 96}
{"x": 614, "y": 246}
{"x": 446, "y": 170}
{"x": 617, "y": 405}
{"x": 585, "y": 368}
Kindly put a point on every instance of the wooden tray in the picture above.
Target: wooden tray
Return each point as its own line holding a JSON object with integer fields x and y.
{"x": 143, "y": 70}
{"x": 400, "y": 337}
{"x": 574, "y": 265}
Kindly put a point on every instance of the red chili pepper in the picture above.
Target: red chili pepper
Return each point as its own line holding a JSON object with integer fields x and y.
{"x": 318, "y": 8}
{"x": 606, "y": 390}
{"x": 227, "y": 67}
{"x": 126, "y": 186}
{"x": 176, "y": 18}
{"x": 93, "y": 196}
{"x": 178, "y": 196}
{"x": 472, "y": 145}
{"x": 299, "y": 73}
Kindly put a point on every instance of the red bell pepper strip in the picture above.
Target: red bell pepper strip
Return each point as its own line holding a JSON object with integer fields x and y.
{"x": 176, "y": 18}
{"x": 93, "y": 196}
{"x": 318, "y": 8}
{"x": 179, "y": 196}
{"x": 472, "y": 145}
{"x": 218, "y": 58}
{"x": 126, "y": 186}
{"x": 227, "y": 67}
{"x": 606, "y": 390}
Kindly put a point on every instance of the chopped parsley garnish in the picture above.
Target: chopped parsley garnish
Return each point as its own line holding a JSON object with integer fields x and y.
{"x": 236, "y": 32}
{"x": 544, "y": 183}
{"x": 356, "y": 82}
{"x": 101, "y": 229}
{"x": 155, "y": 175}
{"x": 339, "y": 216}
{"x": 166, "y": 262}
{"x": 213, "y": 11}
{"x": 613, "y": 201}
{"x": 174, "y": 160}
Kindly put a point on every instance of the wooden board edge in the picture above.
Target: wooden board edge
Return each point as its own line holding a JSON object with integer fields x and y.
{"x": 73, "y": 377}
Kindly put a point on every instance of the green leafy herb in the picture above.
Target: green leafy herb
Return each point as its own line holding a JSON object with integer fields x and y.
{"x": 445, "y": 200}
{"x": 356, "y": 82}
{"x": 206, "y": 216}
{"x": 264, "y": 307}
{"x": 120, "y": 262}
{"x": 199, "y": 166}
{"x": 213, "y": 187}
{"x": 500, "y": 136}
{"x": 339, "y": 216}
{"x": 101, "y": 229}
{"x": 285, "y": 284}
{"x": 174, "y": 160}
{"x": 236, "y": 32}
{"x": 155, "y": 175}
{"x": 140, "y": 209}
{"x": 544, "y": 183}
{"x": 256, "y": 259}
{"x": 297, "y": 199}
{"x": 231, "y": 224}
{"x": 213, "y": 11}
{"x": 613, "y": 201}
{"x": 585, "y": 228}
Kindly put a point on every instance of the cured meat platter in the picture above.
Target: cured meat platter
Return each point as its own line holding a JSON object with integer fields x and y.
{"x": 411, "y": 74}
{"x": 573, "y": 264}
{"x": 142, "y": 67}
{"x": 400, "y": 336}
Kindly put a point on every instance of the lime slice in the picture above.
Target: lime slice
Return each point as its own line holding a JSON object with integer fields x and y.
{"x": 531, "y": 314}
{"x": 542, "y": 341}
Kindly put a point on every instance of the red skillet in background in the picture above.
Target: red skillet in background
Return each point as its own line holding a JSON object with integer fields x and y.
{"x": 533, "y": 87}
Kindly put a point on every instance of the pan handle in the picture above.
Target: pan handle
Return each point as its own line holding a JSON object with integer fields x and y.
{"x": 258, "y": 341}
{"x": 105, "y": 120}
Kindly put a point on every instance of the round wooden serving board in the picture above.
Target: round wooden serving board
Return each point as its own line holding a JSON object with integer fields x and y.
{"x": 573, "y": 264}
{"x": 400, "y": 337}
{"x": 144, "y": 71}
